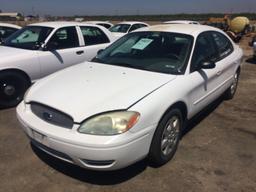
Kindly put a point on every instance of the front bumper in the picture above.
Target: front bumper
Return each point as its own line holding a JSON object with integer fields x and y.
{"x": 87, "y": 151}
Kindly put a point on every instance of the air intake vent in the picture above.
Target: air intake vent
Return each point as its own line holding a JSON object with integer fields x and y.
{"x": 52, "y": 116}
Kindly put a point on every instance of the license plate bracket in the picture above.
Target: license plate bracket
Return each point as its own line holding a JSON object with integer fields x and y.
{"x": 39, "y": 137}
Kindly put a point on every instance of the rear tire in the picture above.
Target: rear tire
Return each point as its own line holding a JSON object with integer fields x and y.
{"x": 13, "y": 86}
{"x": 230, "y": 93}
{"x": 166, "y": 138}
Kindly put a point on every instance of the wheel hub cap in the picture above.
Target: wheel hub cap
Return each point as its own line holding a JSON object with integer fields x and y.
{"x": 9, "y": 90}
{"x": 234, "y": 84}
{"x": 170, "y": 135}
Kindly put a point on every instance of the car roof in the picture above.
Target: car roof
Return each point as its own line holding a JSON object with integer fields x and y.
{"x": 9, "y": 25}
{"x": 180, "y": 28}
{"x": 94, "y": 22}
{"x": 132, "y": 22}
{"x": 180, "y": 22}
{"x": 56, "y": 24}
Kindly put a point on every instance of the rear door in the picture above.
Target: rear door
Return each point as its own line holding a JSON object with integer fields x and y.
{"x": 227, "y": 61}
{"x": 65, "y": 50}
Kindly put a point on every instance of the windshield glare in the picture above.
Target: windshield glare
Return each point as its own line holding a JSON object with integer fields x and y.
{"x": 30, "y": 37}
{"x": 120, "y": 28}
{"x": 162, "y": 52}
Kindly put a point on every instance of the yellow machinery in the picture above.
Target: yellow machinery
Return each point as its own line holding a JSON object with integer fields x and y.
{"x": 235, "y": 28}
{"x": 240, "y": 25}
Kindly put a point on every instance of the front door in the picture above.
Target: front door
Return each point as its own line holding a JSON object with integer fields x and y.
{"x": 63, "y": 50}
{"x": 203, "y": 82}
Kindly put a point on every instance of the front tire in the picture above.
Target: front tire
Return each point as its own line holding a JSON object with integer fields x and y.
{"x": 166, "y": 138}
{"x": 13, "y": 86}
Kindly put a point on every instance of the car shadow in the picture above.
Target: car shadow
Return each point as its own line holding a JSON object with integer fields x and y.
{"x": 119, "y": 176}
{"x": 251, "y": 61}
{"x": 192, "y": 123}
{"x": 89, "y": 176}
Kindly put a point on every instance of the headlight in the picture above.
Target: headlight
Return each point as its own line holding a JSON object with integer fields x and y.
{"x": 112, "y": 123}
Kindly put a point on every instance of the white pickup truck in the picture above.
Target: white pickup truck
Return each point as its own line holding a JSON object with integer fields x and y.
{"x": 43, "y": 48}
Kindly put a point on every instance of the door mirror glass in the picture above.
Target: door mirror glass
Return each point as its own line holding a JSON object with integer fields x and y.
{"x": 208, "y": 65}
{"x": 100, "y": 51}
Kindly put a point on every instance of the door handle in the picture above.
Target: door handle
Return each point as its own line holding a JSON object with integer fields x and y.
{"x": 219, "y": 73}
{"x": 80, "y": 52}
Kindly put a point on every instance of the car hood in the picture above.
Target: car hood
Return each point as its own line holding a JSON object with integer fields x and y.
{"x": 91, "y": 88}
{"x": 7, "y": 53}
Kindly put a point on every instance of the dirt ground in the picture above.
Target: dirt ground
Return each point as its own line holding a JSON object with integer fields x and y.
{"x": 217, "y": 153}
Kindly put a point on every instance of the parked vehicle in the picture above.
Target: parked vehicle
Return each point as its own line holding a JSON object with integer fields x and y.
{"x": 105, "y": 24}
{"x": 123, "y": 28}
{"x": 43, "y": 48}
{"x": 6, "y": 30}
{"x": 134, "y": 99}
{"x": 236, "y": 28}
{"x": 182, "y": 22}
{"x": 253, "y": 45}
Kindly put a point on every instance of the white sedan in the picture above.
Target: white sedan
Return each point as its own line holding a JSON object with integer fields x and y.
{"x": 134, "y": 99}
{"x": 6, "y": 30}
{"x": 43, "y": 48}
{"x": 105, "y": 24}
{"x": 182, "y": 22}
{"x": 123, "y": 28}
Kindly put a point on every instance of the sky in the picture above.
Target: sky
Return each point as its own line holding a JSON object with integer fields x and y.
{"x": 118, "y": 7}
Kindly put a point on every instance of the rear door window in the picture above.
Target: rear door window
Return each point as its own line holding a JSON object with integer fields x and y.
{"x": 223, "y": 44}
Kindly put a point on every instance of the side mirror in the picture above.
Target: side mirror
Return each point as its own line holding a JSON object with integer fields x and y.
{"x": 208, "y": 65}
{"x": 100, "y": 51}
{"x": 50, "y": 46}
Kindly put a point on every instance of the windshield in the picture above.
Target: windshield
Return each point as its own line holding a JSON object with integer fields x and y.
{"x": 30, "y": 37}
{"x": 162, "y": 52}
{"x": 120, "y": 28}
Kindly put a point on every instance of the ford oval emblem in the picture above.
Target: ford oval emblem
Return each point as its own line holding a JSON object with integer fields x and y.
{"x": 47, "y": 116}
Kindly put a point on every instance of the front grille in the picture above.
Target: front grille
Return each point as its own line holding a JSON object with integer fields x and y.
{"x": 52, "y": 116}
{"x": 52, "y": 151}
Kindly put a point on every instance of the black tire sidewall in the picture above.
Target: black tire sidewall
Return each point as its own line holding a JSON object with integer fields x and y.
{"x": 155, "y": 155}
{"x": 23, "y": 85}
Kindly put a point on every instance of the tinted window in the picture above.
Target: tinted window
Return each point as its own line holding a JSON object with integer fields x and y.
{"x": 93, "y": 36}
{"x": 30, "y": 37}
{"x": 107, "y": 26}
{"x": 134, "y": 27}
{"x": 6, "y": 32}
{"x": 65, "y": 38}
{"x": 224, "y": 45}
{"x": 204, "y": 51}
{"x": 120, "y": 28}
{"x": 152, "y": 51}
